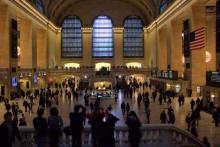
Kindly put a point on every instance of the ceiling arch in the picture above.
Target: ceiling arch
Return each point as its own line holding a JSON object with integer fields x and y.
{"x": 56, "y": 10}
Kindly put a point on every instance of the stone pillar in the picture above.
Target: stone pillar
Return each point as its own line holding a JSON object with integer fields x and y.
{"x": 168, "y": 36}
{"x": 162, "y": 48}
{"x": 148, "y": 61}
{"x": 41, "y": 49}
{"x": 5, "y": 37}
{"x": 176, "y": 47}
{"x": 118, "y": 46}
{"x": 52, "y": 49}
{"x": 34, "y": 46}
{"x": 87, "y": 46}
{"x": 26, "y": 57}
{"x": 198, "y": 65}
{"x": 211, "y": 40}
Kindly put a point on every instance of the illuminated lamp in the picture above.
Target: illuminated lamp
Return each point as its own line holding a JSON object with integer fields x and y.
{"x": 208, "y": 56}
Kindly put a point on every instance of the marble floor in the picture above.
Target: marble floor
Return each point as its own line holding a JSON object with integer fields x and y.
{"x": 205, "y": 127}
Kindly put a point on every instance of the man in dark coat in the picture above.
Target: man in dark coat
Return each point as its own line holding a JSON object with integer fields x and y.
{"x": 107, "y": 130}
{"x": 95, "y": 120}
{"x": 40, "y": 126}
{"x": 8, "y": 131}
{"x": 76, "y": 125}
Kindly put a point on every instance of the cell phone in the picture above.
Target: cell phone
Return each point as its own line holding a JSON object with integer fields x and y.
{"x": 104, "y": 119}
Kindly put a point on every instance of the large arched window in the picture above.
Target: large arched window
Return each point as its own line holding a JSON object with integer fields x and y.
{"x": 71, "y": 37}
{"x": 102, "y": 37}
{"x": 40, "y": 6}
{"x": 133, "y": 37}
{"x": 164, "y": 4}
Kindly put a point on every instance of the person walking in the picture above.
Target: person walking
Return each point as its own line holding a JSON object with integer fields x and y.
{"x": 192, "y": 103}
{"x": 134, "y": 125}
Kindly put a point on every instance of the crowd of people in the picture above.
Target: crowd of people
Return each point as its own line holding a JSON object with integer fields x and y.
{"x": 101, "y": 120}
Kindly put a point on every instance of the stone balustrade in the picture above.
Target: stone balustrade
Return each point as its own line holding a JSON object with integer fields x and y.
{"x": 153, "y": 135}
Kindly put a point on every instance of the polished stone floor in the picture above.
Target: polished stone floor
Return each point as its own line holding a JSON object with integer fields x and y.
{"x": 205, "y": 127}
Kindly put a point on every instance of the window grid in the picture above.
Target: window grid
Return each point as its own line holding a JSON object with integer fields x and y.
{"x": 71, "y": 37}
{"x": 40, "y": 6}
{"x": 164, "y": 4}
{"x": 102, "y": 37}
{"x": 133, "y": 37}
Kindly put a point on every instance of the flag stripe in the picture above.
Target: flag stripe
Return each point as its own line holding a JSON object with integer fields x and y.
{"x": 199, "y": 41}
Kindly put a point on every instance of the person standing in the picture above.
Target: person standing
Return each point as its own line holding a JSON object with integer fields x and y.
{"x": 22, "y": 121}
{"x": 206, "y": 142}
{"x": 95, "y": 120}
{"x": 55, "y": 123}
{"x": 40, "y": 126}
{"x": 192, "y": 103}
{"x": 171, "y": 117}
{"x": 154, "y": 95}
{"x": 127, "y": 108}
{"x": 194, "y": 131}
{"x": 163, "y": 117}
{"x": 134, "y": 125}
{"x": 107, "y": 130}
{"x": 8, "y": 131}
{"x": 76, "y": 125}
{"x": 148, "y": 115}
{"x": 123, "y": 105}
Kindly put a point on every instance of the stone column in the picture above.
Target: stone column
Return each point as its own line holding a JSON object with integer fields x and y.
{"x": 162, "y": 48}
{"x": 87, "y": 46}
{"x": 176, "y": 47}
{"x": 41, "y": 49}
{"x": 5, "y": 37}
{"x": 198, "y": 65}
{"x": 211, "y": 40}
{"x": 118, "y": 46}
{"x": 26, "y": 57}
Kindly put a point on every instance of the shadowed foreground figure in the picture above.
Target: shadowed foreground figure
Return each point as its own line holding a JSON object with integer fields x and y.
{"x": 76, "y": 125}
{"x": 8, "y": 131}
{"x": 134, "y": 125}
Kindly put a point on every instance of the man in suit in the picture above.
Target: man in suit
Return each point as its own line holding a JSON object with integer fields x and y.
{"x": 8, "y": 131}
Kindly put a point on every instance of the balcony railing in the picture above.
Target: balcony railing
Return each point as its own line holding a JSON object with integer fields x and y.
{"x": 154, "y": 135}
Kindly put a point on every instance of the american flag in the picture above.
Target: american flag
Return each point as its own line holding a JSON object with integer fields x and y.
{"x": 197, "y": 39}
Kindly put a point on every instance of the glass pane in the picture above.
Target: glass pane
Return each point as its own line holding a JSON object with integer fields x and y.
{"x": 133, "y": 37}
{"x": 40, "y": 6}
{"x": 102, "y": 37}
{"x": 71, "y": 37}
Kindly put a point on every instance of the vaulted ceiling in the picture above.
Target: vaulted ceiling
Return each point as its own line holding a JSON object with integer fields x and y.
{"x": 57, "y": 10}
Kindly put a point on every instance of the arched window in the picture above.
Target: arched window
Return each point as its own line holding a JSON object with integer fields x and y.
{"x": 40, "y": 6}
{"x": 133, "y": 37}
{"x": 164, "y": 4}
{"x": 71, "y": 37}
{"x": 102, "y": 37}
